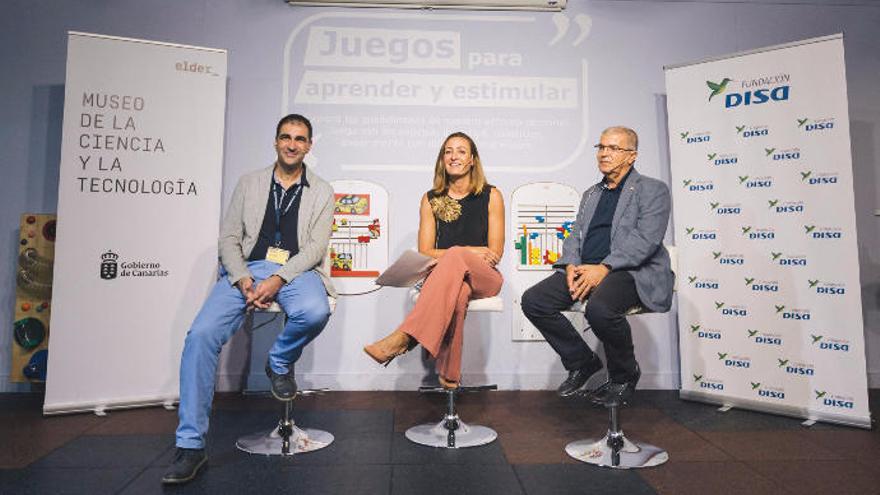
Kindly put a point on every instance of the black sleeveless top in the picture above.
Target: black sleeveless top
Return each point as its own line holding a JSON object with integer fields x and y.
{"x": 471, "y": 228}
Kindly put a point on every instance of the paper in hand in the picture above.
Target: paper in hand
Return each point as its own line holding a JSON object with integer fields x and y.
{"x": 411, "y": 267}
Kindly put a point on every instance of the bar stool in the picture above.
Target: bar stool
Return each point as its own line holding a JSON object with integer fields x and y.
{"x": 451, "y": 432}
{"x": 614, "y": 450}
{"x": 287, "y": 438}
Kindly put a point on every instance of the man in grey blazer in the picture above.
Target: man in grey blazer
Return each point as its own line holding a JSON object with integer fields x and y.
{"x": 273, "y": 241}
{"x": 616, "y": 258}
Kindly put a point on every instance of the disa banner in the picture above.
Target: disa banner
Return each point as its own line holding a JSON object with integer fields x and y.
{"x": 138, "y": 214}
{"x": 770, "y": 309}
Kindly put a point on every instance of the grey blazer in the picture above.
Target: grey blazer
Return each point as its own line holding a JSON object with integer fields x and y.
{"x": 241, "y": 227}
{"x": 637, "y": 232}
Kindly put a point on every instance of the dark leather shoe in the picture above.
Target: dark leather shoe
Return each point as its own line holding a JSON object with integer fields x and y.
{"x": 614, "y": 394}
{"x": 579, "y": 377}
{"x": 185, "y": 466}
{"x": 283, "y": 386}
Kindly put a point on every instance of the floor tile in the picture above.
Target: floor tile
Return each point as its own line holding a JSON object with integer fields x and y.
{"x": 59, "y": 481}
{"x": 820, "y": 477}
{"x": 146, "y": 421}
{"x": 580, "y": 478}
{"x": 28, "y": 435}
{"x": 405, "y": 452}
{"x": 274, "y": 478}
{"x": 458, "y": 479}
{"x": 769, "y": 445}
{"x": 113, "y": 451}
{"x": 701, "y": 478}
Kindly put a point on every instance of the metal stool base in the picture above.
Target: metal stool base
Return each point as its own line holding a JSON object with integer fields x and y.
{"x": 631, "y": 455}
{"x": 437, "y": 434}
{"x": 286, "y": 438}
{"x": 271, "y": 443}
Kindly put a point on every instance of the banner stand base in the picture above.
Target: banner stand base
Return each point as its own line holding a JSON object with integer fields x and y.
{"x": 793, "y": 412}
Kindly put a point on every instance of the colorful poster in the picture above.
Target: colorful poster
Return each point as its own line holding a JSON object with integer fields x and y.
{"x": 359, "y": 242}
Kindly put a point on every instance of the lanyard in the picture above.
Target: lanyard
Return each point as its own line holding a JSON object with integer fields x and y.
{"x": 279, "y": 202}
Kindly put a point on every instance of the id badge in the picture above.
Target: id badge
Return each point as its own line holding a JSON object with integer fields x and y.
{"x": 277, "y": 255}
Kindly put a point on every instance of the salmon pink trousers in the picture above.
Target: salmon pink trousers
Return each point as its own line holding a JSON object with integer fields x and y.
{"x": 437, "y": 320}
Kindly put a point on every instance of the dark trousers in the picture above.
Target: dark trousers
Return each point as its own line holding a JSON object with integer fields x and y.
{"x": 605, "y": 311}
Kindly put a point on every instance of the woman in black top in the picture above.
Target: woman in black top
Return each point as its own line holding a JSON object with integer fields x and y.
{"x": 461, "y": 223}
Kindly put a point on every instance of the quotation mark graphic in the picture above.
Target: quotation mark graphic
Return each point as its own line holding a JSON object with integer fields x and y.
{"x": 562, "y": 23}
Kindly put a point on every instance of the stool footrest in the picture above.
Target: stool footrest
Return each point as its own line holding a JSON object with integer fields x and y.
{"x": 458, "y": 390}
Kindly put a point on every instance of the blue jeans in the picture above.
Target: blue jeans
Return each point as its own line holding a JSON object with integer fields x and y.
{"x": 304, "y": 300}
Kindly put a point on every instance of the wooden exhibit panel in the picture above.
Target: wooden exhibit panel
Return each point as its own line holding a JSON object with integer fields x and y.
{"x": 33, "y": 294}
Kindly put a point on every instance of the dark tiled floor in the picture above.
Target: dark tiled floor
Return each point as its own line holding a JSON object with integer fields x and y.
{"x": 710, "y": 452}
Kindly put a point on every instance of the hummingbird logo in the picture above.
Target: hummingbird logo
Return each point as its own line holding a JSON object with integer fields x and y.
{"x": 746, "y": 229}
{"x": 806, "y": 175}
{"x": 722, "y": 355}
{"x": 820, "y": 393}
{"x": 782, "y": 362}
{"x": 691, "y": 279}
{"x": 809, "y": 228}
{"x": 743, "y": 178}
{"x": 755, "y": 385}
{"x": 752, "y": 333}
{"x": 813, "y": 283}
{"x": 686, "y": 182}
{"x": 749, "y": 280}
{"x": 689, "y": 230}
{"x": 779, "y": 309}
{"x": 717, "y": 88}
{"x": 739, "y": 128}
{"x": 769, "y": 151}
{"x": 772, "y": 202}
{"x": 711, "y": 156}
{"x": 684, "y": 135}
{"x": 698, "y": 378}
{"x": 712, "y": 205}
{"x": 719, "y": 305}
{"x": 775, "y": 255}
{"x": 816, "y": 338}
{"x": 694, "y": 328}
{"x": 801, "y": 122}
{"x": 716, "y": 254}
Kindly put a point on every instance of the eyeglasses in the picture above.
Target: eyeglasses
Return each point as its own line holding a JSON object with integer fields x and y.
{"x": 612, "y": 148}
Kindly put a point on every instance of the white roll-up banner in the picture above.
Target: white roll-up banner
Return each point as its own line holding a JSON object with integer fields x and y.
{"x": 770, "y": 309}
{"x": 138, "y": 214}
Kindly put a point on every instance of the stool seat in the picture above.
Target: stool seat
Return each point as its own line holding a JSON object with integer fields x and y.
{"x": 581, "y": 306}
{"x": 492, "y": 304}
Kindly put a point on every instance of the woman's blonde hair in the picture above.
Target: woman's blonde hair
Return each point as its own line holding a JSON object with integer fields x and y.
{"x": 477, "y": 177}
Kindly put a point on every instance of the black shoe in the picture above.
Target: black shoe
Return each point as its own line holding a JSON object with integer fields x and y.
{"x": 614, "y": 394}
{"x": 579, "y": 377}
{"x": 283, "y": 386}
{"x": 185, "y": 466}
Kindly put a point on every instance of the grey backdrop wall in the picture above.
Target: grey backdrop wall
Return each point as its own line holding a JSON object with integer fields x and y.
{"x": 629, "y": 43}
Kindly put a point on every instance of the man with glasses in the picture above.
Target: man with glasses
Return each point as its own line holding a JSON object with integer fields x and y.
{"x": 616, "y": 258}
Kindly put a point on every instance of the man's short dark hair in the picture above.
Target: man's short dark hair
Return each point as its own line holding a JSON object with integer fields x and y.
{"x": 294, "y": 118}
